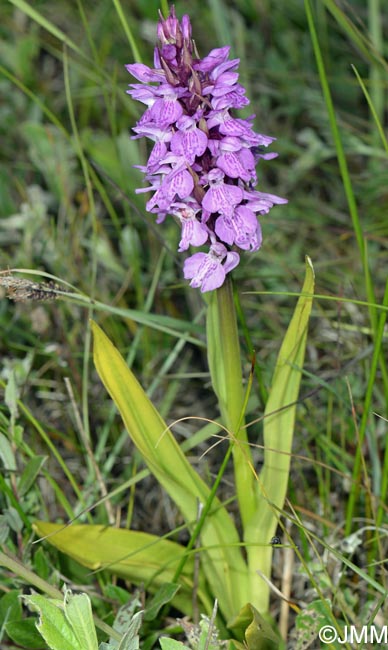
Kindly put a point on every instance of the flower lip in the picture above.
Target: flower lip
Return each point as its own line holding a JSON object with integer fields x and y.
{"x": 206, "y": 270}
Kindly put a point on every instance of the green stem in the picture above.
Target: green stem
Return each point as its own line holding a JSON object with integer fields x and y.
{"x": 225, "y": 369}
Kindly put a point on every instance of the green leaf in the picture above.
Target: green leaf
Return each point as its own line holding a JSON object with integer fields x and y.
{"x": 131, "y": 639}
{"x": 224, "y": 358}
{"x": 221, "y": 557}
{"x": 254, "y": 629}
{"x": 42, "y": 565}
{"x": 120, "y": 596}
{"x": 209, "y": 635}
{"x": 163, "y": 596}
{"x": 11, "y": 396}
{"x": 279, "y": 422}
{"x": 128, "y": 616}
{"x": 6, "y": 454}
{"x": 30, "y": 473}
{"x": 10, "y": 606}
{"x": 171, "y": 644}
{"x": 4, "y": 528}
{"x": 139, "y": 557}
{"x": 310, "y": 620}
{"x": 147, "y": 428}
{"x": 13, "y": 519}
{"x": 24, "y": 633}
{"x": 78, "y": 611}
{"x": 53, "y": 626}
{"x": 259, "y": 633}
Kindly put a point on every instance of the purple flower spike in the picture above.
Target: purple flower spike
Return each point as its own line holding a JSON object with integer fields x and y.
{"x": 202, "y": 168}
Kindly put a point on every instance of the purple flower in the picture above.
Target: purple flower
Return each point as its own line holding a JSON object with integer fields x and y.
{"x": 207, "y": 270}
{"x": 221, "y": 197}
{"x": 202, "y": 168}
{"x": 194, "y": 232}
{"x": 242, "y": 229}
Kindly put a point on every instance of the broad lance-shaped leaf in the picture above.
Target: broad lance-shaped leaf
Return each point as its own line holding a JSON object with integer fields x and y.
{"x": 56, "y": 630}
{"x": 78, "y": 612}
{"x": 139, "y": 557}
{"x": 221, "y": 558}
{"x": 224, "y": 358}
{"x": 278, "y": 428}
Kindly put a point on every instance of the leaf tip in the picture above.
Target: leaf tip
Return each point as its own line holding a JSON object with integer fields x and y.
{"x": 309, "y": 262}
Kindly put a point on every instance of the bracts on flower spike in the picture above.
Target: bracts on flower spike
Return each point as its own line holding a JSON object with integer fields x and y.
{"x": 202, "y": 168}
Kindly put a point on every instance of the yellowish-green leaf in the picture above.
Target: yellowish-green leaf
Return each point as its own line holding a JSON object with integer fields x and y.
{"x": 255, "y": 629}
{"x": 279, "y": 422}
{"x": 139, "y": 557}
{"x": 147, "y": 429}
{"x": 221, "y": 557}
{"x": 224, "y": 358}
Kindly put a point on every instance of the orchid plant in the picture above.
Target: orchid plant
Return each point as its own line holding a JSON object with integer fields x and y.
{"x": 202, "y": 172}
